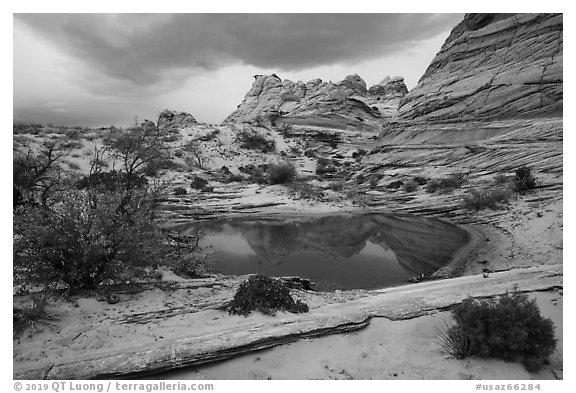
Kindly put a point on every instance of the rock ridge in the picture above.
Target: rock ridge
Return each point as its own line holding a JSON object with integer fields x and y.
{"x": 493, "y": 66}
{"x": 348, "y": 104}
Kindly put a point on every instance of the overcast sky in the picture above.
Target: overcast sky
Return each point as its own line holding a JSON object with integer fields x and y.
{"x": 104, "y": 69}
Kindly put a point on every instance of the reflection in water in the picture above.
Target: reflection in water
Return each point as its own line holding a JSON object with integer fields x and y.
{"x": 336, "y": 252}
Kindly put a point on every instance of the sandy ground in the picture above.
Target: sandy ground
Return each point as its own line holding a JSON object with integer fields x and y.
{"x": 384, "y": 350}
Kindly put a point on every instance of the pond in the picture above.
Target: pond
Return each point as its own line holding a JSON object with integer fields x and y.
{"x": 335, "y": 252}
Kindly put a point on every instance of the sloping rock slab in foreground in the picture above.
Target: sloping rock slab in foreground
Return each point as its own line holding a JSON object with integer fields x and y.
{"x": 394, "y": 303}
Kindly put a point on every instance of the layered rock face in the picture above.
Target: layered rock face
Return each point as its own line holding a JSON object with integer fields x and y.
{"x": 492, "y": 66}
{"x": 174, "y": 119}
{"x": 346, "y": 105}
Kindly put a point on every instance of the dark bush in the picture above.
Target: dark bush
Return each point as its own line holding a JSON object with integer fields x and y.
{"x": 524, "y": 179}
{"x": 234, "y": 178}
{"x": 395, "y": 184}
{"x": 264, "y": 294}
{"x": 281, "y": 173}
{"x": 255, "y": 141}
{"x": 89, "y": 236}
{"x": 481, "y": 199}
{"x": 180, "y": 191}
{"x": 373, "y": 181}
{"x": 199, "y": 183}
{"x": 509, "y": 327}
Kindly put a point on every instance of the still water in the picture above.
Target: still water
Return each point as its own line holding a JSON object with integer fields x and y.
{"x": 335, "y": 252}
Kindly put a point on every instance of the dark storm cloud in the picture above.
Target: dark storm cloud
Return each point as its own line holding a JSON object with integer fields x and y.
{"x": 140, "y": 47}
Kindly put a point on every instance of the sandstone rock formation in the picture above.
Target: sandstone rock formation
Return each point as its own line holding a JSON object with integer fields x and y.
{"x": 347, "y": 104}
{"x": 174, "y": 119}
{"x": 492, "y": 66}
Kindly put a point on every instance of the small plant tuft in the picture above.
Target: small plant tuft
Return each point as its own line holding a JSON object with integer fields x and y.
{"x": 265, "y": 294}
{"x": 482, "y": 199}
{"x": 180, "y": 191}
{"x": 410, "y": 186}
{"x": 509, "y": 327}
{"x": 29, "y": 317}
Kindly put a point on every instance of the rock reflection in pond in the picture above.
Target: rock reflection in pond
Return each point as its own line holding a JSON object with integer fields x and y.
{"x": 336, "y": 252}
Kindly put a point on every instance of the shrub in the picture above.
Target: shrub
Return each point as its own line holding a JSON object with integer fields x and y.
{"x": 255, "y": 141}
{"x": 234, "y": 178}
{"x": 281, "y": 173}
{"x": 307, "y": 191}
{"x": 29, "y": 317}
{"x": 524, "y": 179}
{"x": 395, "y": 184}
{"x": 264, "y": 294}
{"x": 257, "y": 175}
{"x": 180, "y": 191}
{"x": 481, "y": 199}
{"x": 324, "y": 166}
{"x": 509, "y": 327}
{"x": 448, "y": 183}
{"x": 410, "y": 186}
{"x": 199, "y": 183}
{"x": 285, "y": 130}
{"x": 501, "y": 179}
{"x": 88, "y": 236}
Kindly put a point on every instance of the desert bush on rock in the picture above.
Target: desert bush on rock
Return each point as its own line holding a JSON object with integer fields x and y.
{"x": 509, "y": 327}
{"x": 481, "y": 199}
{"x": 447, "y": 184}
{"x": 395, "y": 184}
{"x": 281, "y": 173}
{"x": 524, "y": 179}
{"x": 306, "y": 190}
{"x": 199, "y": 183}
{"x": 264, "y": 294}
{"x": 255, "y": 141}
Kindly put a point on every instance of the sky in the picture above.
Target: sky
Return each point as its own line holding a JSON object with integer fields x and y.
{"x": 110, "y": 69}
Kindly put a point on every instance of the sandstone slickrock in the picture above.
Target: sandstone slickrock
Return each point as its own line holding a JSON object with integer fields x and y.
{"x": 345, "y": 105}
{"x": 174, "y": 119}
{"x": 492, "y": 66}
